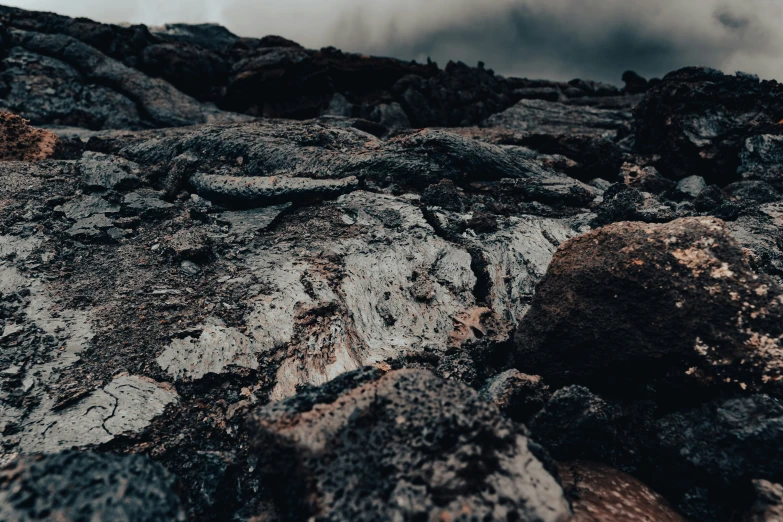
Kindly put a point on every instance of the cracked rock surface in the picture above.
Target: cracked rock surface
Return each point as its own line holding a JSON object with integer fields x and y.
{"x": 315, "y": 285}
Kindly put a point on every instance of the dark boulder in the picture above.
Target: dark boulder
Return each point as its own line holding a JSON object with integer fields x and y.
{"x": 698, "y": 121}
{"x": 401, "y": 446}
{"x": 88, "y": 487}
{"x": 625, "y": 304}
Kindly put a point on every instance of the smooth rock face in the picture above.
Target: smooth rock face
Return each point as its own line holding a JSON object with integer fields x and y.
{"x": 382, "y": 447}
{"x": 691, "y": 186}
{"x": 635, "y": 298}
{"x": 599, "y": 493}
{"x": 82, "y": 487}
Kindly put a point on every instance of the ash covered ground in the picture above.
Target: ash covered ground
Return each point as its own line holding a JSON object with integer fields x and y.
{"x": 242, "y": 280}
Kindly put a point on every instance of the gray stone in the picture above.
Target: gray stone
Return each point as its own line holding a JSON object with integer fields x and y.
{"x": 82, "y": 207}
{"x": 146, "y": 202}
{"x": 254, "y": 191}
{"x": 691, "y": 186}
{"x": 101, "y": 171}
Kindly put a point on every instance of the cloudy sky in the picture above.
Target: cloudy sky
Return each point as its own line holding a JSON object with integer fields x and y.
{"x": 557, "y": 39}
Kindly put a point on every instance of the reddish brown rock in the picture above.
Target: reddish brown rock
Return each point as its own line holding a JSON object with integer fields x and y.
{"x": 630, "y": 302}
{"x": 599, "y": 493}
{"x": 21, "y": 142}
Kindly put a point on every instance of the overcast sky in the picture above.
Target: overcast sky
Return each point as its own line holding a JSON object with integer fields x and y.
{"x": 557, "y": 39}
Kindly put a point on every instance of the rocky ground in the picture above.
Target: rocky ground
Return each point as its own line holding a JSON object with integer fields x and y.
{"x": 242, "y": 280}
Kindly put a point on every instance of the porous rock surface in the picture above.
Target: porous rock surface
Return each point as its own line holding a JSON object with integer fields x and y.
{"x": 81, "y": 487}
{"x": 235, "y": 256}
{"x": 386, "y": 447}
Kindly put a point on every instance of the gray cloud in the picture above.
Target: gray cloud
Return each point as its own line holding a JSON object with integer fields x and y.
{"x": 558, "y": 39}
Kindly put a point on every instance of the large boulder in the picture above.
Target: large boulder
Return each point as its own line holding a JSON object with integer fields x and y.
{"x": 631, "y": 302}
{"x": 401, "y": 446}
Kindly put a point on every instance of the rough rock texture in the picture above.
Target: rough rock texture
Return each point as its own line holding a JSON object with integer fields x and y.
{"x": 698, "y": 120}
{"x": 386, "y": 448}
{"x": 22, "y": 142}
{"x": 768, "y": 506}
{"x": 516, "y": 395}
{"x": 88, "y": 487}
{"x": 637, "y": 300}
{"x": 179, "y": 262}
{"x": 599, "y": 493}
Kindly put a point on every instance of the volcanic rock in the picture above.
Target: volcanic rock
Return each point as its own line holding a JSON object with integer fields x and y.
{"x": 402, "y": 445}
{"x": 629, "y": 299}
{"x": 73, "y": 486}
{"x": 599, "y": 493}
{"x": 516, "y": 395}
{"x": 22, "y": 142}
{"x": 698, "y": 121}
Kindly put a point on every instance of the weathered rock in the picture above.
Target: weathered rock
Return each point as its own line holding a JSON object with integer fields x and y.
{"x": 768, "y": 506}
{"x": 75, "y": 487}
{"x": 755, "y": 191}
{"x": 762, "y": 159}
{"x": 255, "y": 191}
{"x": 630, "y": 299}
{"x": 621, "y": 203}
{"x": 145, "y": 202}
{"x": 698, "y": 121}
{"x": 646, "y": 179}
{"x": 516, "y": 395}
{"x": 691, "y": 186}
{"x": 577, "y": 424}
{"x": 21, "y": 142}
{"x": 126, "y": 405}
{"x": 402, "y": 445}
{"x": 634, "y": 84}
{"x": 599, "y": 493}
{"x": 101, "y": 171}
{"x": 558, "y": 118}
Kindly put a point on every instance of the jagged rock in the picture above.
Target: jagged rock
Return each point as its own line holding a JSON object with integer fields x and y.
{"x": 243, "y": 222}
{"x": 73, "y": 486}
{"x": 709, "y": 199}
{"x": 92, "y": 227}
{"x": 190, "y": 244}
{"x": 577, "y": 424}
{"x": 212, "y": 351}
{"x": 621, "y": 203}
{"x": 558, "y": 118}
{"x": 516, "y": 395}
{"x": 719, "y": 448}
{"x": 691, "y": 186}
{"x": 86, "y": 206}
{"x": 146, "y": 202}
{"x": 599, "y": 493}
{"x": 760, "y": 233}
{"x": 756, "y": 191}
{"x": 768, "y": 506}
{"x": 698, "y": 121}
{"x": 631, "y": 299}
{"x": 762, "y": 159}
{"x": 101, "y": 171}
{"x": 645, "y": 179}
{"x": 333, "y": 453}
{"x": 21, "y": 142}
{"x": 161, "y": 102}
